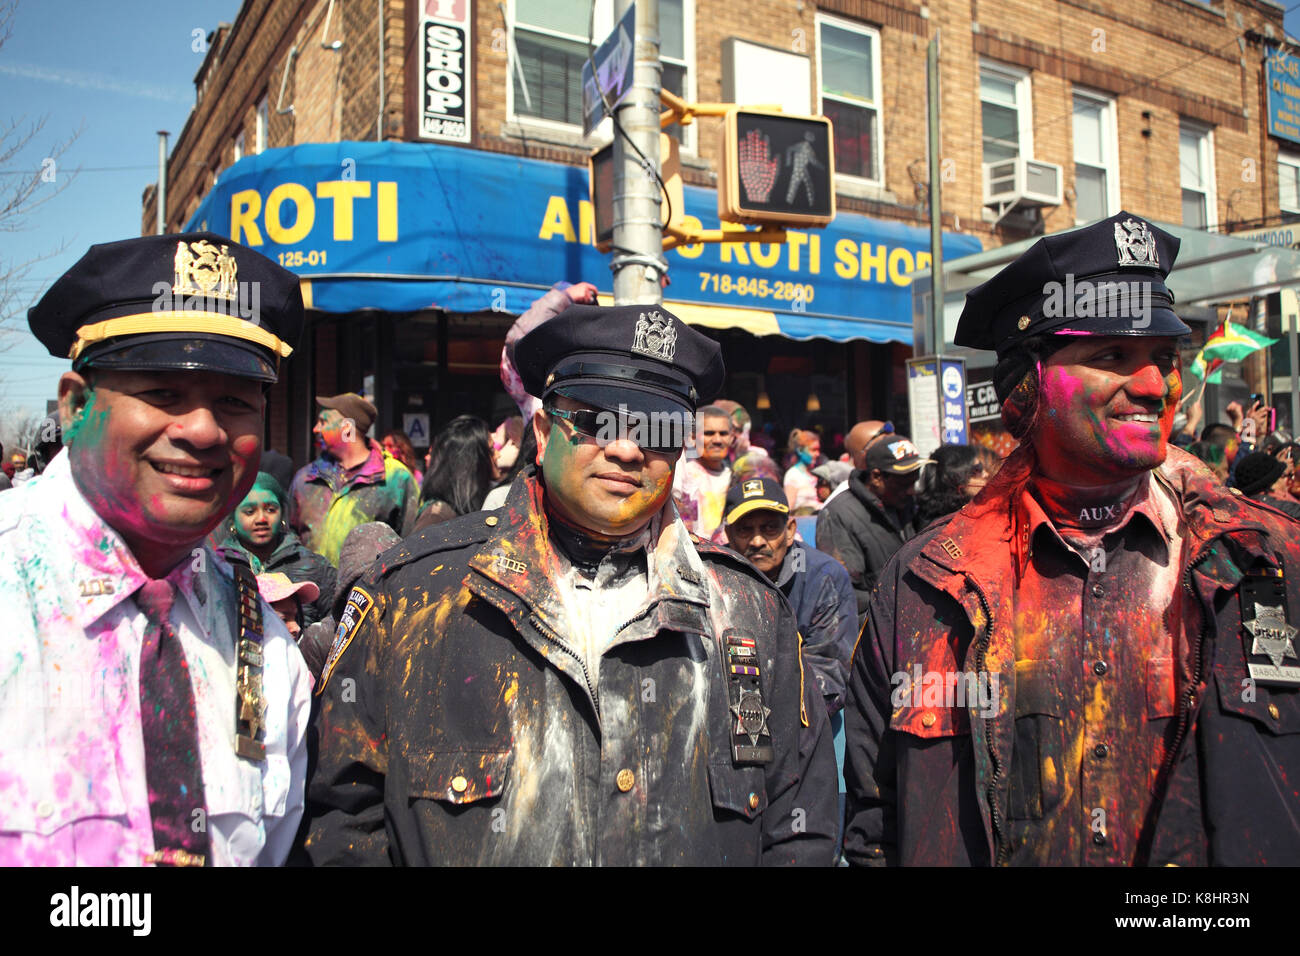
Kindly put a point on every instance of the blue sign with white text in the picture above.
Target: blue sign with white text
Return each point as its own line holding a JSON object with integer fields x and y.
{"x": 1283, "y": 77}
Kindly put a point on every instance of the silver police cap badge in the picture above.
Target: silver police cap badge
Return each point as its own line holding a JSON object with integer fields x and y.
{"x": 1135, "y": 244}
{"x": 655, "y": 336}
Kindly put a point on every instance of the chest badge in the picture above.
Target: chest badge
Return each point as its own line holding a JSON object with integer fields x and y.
{"x": 1274, "y": 640}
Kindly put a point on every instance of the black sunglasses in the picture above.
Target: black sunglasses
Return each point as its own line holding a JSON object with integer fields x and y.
{"x": 665, "y": 437}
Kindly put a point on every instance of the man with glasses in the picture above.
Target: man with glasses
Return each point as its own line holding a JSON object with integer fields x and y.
{"x": 574, "y": 679}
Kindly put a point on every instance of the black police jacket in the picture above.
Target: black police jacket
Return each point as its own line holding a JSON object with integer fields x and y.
{"x": 459, "y": 725}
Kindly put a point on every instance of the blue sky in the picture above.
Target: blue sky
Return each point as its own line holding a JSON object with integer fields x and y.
{"x": 119, "y": 71}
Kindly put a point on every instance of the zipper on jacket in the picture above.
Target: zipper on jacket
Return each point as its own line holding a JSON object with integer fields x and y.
{"x": 1001, "y": 850}
{"x": 559, "y": 642}
{"x": 1184, "y": 705}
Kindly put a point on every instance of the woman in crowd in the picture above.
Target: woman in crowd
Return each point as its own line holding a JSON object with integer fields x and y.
{"x": 258, "y": 535}
{"x": 525, "y": 456}
{"x": 956, "y": 476}
{"x": 460, "y": 471}
{"x": 800, "y": 483}
{"x": 399, "y": 446}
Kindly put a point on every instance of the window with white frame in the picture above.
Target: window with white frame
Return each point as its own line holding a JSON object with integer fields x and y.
{"x": 263, "y": 128}
{"x": 848, "y": 79}
{"x": 550, "y": 37}
{"x": 1288, "y": 185}
{"x": 1005, "y": 112}
{"x": 239, "y": 146}
{"x": 1196, "y": 175}
{"x": 1096, "y": 157}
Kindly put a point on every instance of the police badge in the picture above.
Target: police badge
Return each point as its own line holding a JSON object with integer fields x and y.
{"x": 655, "y": 336}
{"x": 1135, "y": 244}
{"x": 1272, "y": 657}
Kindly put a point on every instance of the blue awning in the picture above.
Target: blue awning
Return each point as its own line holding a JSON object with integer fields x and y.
{"x": 401, "y": 227}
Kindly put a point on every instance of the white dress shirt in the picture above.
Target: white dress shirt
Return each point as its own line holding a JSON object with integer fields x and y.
{"x": 72, "y": 769}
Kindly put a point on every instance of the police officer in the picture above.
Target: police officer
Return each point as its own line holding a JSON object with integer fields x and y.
{"x": 152, "y": 708}
{"x": 575, "y": 678}
{"x": 1091, "y": 663}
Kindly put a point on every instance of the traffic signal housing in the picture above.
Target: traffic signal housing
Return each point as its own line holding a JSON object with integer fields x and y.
{"x": 776, "y": 168}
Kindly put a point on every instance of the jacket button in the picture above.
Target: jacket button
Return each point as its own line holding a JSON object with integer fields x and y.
{"x": 1098, "y": 590}
{"x": 753, "y": 801}
{"x": 459, "y": 783}
{"x": 1099, "y": 839}
{"x": 1101, "y": 751}
{"x": 1100, "y": 668}
{"x": 44, "y": 809}
{"x": 928, "y": 719}
{"x": 625, "y": 780}
{"x": 490, "y": 521}
{"x": 1274, "y": 712}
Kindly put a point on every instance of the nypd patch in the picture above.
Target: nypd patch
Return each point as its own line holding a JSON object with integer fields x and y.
{"x": 359, "y": 604}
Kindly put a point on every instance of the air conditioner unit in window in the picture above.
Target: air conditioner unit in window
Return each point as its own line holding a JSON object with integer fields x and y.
{"x": 1010, "y": 183}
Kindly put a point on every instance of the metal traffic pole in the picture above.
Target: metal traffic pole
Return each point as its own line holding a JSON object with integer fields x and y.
{"x": 638, "y": 259}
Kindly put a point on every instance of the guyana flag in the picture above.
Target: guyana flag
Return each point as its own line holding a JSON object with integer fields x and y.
{"x": 1210, "y": 372}
{"x": 1232, "y": 343}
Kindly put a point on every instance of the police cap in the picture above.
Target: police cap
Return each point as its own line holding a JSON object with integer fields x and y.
{"x": 640, "y": 356}
{"x": 1103, "y": 279}
{"x": 187, "y": 301}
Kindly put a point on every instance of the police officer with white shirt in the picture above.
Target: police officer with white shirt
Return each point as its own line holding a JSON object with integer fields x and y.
{"x": 152, "y": 708}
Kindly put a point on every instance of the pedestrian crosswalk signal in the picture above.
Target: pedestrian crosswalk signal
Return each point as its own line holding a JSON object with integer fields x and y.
{"x": 776, "y": 168}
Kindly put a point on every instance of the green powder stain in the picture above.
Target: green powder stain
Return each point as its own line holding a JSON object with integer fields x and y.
{"x": 88, "y": 427}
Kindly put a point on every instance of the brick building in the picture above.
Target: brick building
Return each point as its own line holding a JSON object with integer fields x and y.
{"x": 1155, "y": 106}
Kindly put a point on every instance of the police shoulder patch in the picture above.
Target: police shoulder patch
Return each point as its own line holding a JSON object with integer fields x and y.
{"x": 359, "y": 604}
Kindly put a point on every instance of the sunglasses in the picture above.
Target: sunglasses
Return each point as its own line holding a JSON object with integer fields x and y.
{"x": 666, "y": 438}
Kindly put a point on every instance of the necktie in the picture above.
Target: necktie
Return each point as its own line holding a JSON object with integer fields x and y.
{"x": 171, "y": 740}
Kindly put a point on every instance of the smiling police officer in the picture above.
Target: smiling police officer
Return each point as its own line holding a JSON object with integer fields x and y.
{"x": 574, "y": 678}
{"x": 1092, "y": 663}
{"x": 152, "y": 708}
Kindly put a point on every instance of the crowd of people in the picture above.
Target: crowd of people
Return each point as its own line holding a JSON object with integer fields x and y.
{"x": 558, "y": 642}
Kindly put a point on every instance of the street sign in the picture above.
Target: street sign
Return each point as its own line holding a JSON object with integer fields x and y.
{"x": 776, "y": 168}
{"x": 936, "y": 393}
{"x": 613, "y": 73}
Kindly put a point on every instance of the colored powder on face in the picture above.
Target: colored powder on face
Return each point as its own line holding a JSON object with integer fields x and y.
{"x": 79, "y": 424}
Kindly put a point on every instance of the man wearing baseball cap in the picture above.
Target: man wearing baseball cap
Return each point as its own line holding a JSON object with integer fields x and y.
{"x": 1116, "y": 622}
{"x": 354, "y": 481}
{"x": 153, "y": 708}
{"x": 574, "y": 678}
{"x": 863, "y": 527}
{"x": 758, "y": 525}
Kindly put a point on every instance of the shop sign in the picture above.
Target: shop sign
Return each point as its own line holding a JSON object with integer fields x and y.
{"x": 444, "y": 84}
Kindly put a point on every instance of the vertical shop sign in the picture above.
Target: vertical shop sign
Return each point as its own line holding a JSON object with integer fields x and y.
{"x": 444, "y": 84}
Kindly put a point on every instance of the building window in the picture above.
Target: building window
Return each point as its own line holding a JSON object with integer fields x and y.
{"x": 848, "y": 78}
{"x": 1096, "y": 159}
{"x": 263, "y": 125}
{"x": 1196, "y": 173}
{"x": 1005, "y": 113}
{"x": 550, "y": 37}
{"x": 1288, "y": 186}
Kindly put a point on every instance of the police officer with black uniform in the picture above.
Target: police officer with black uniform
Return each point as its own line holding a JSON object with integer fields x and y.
{"x": 1121, "y": 625}
{"x": 574, "y": 678}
